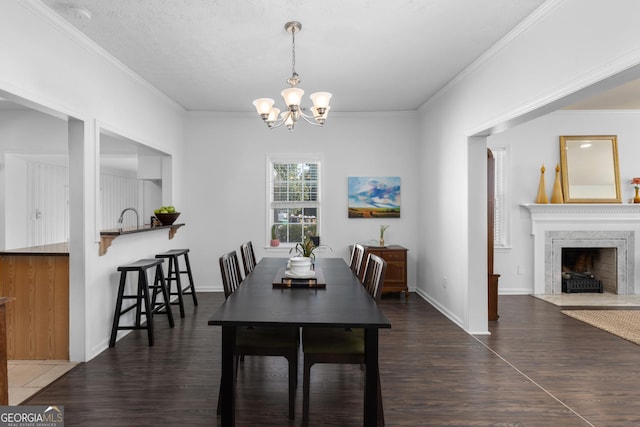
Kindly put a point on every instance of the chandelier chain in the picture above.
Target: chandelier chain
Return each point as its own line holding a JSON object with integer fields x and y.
{"x": 293, "y": 54}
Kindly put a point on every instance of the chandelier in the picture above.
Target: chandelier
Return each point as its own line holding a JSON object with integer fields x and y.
{"x": 293, "y": 97}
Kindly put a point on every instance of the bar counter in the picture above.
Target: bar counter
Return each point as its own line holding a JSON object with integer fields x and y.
{"x": 107, "y": 236}
{"x": 142, "y": 229}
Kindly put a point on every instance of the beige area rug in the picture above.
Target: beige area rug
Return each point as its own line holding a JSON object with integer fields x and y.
{"x": 623, "y": 323}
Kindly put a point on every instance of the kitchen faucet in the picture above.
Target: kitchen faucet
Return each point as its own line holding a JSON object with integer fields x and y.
{"x": 134, "y": 211}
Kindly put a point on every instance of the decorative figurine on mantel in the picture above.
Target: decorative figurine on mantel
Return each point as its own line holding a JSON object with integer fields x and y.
{"x": 636, "y": 186}
{"x": 556, "y": 196}
{"x": 542, "y": 193}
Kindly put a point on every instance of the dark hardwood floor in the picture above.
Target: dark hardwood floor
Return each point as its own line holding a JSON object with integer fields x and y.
{"x": 538, "y": 368}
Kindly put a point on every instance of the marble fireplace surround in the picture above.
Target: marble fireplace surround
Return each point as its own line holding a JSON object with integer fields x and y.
{"x": 622, "y": 241}
{"x": 556, "y": 226}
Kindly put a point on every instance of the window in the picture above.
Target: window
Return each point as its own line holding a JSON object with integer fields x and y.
{"x": 501, "y": 221}
{"x": 294, "y": 199}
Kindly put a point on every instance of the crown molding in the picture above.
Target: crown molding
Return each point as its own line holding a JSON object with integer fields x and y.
{"x": 72, "y": 33}
{"x": 529, "y": 22}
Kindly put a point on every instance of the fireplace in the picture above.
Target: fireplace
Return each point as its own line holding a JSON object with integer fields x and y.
{"x": 614, "y": 243}
{"x": 589, "y": 270}
{"x": 605, "y": 231}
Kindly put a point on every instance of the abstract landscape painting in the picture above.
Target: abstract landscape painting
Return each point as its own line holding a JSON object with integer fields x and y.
{"x": 374, "y": 197}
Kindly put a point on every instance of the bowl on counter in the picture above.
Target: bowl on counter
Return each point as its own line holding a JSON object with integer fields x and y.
{"x": 167, "y": 218}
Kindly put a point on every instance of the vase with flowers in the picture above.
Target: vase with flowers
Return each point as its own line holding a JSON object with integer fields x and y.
{"x": 636, "y": 186}
{"x": 383, "y": 228}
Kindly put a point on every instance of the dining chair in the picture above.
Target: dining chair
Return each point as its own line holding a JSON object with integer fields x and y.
{"x": 341, "y": 346}
{"x": 230, "y": 270}
{"x": 260, "y": 341}
{"x": 374, "y": 274}
{"x": 248, "y": 257}
{"x": 357, "y": 254}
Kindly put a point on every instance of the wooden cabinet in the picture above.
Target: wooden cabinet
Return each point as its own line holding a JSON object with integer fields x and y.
{"x": 396, "y": 258}
{"x": 4, "y": 377}
{"x": 38, "y": 319}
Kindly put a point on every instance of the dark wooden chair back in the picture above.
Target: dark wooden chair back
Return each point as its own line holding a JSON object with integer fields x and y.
{"x": 230, "y": 270}
{"x": 374, "y": 274}
{"x": 357, "y": 254}
{"x": 248, "y": 257}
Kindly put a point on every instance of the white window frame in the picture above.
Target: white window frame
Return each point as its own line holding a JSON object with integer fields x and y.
{"x": 502, "y": 218}
{"x": 271, "y": 204}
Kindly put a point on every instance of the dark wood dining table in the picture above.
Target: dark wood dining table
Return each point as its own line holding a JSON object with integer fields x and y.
{"x": 342, "y": 303}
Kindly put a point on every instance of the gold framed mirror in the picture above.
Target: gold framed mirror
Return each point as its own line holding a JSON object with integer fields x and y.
{"x": 590, "y": 171}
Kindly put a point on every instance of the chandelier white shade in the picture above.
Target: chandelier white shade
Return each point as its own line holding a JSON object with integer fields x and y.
{"x": 292, "y": 97}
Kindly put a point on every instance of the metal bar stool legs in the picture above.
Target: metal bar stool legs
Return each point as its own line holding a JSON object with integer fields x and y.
{"x": 174, "y": 275}
{"x": 145, "y": 303}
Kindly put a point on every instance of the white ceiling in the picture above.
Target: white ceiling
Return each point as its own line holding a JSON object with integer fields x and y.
{"x": 373, "y": 55}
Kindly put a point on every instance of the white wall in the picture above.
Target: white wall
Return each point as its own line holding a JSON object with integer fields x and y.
{"x": 49, "y": 65}
{"x": 227, "y": 155}
{"x": 537, "y": 142}
{"x": 14, "y": 216}
{"x": 552, "y": 55}
{"x": 29, "y": 133}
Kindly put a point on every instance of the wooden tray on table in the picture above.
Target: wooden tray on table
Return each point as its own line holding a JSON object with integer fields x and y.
{"x": 283, "y": 280}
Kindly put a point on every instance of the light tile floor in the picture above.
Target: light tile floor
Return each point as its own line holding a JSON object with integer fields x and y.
{"x": 27, "y": 377}
{"x": 591, "y": 299}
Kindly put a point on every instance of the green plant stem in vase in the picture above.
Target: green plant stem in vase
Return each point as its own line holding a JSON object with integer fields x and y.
{"x": 383, "y": 228}
{"x": 307, "y": 248}
{"x": 274, "y": 235}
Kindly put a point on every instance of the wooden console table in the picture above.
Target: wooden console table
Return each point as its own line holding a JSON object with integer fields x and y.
{"x": 396, "y": 258}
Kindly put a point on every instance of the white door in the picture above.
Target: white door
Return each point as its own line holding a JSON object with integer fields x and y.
{"x": 47, "y": 204}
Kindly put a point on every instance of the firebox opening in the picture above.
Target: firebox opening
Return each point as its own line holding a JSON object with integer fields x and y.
{"x": 589, "y": 270}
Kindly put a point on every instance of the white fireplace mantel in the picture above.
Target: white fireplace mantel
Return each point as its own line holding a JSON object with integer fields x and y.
{"x": 608, "y": 224}
{"x": 582, "y": 212}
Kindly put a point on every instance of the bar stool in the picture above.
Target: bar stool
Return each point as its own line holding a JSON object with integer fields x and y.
{"x": 151, "y": 305}
{"x": 173, "y": 275}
